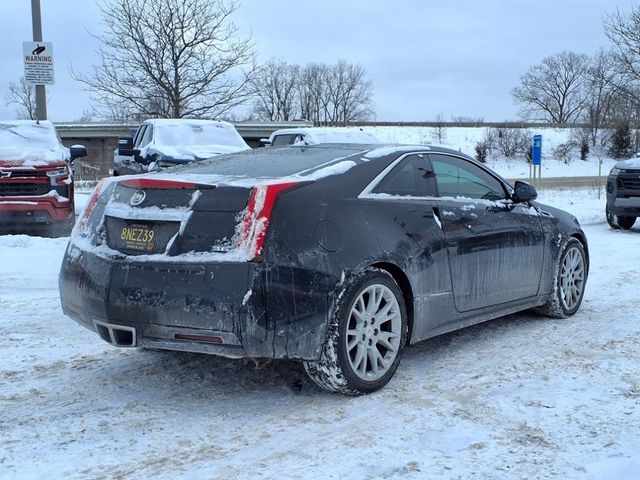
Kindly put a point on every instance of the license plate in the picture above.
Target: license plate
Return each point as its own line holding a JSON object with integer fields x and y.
{"x": 138, "y": 237}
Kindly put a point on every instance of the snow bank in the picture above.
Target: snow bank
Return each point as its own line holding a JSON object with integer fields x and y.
{"x": 317, "y": 135}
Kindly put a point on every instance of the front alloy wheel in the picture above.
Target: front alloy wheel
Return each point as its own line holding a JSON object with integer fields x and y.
{"x": 366, "y": 336}
{"x": 568, "y": 286}
{"x": 572, "y": 277}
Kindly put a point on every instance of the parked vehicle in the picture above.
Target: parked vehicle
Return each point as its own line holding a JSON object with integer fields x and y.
{"x": 36, "y": 179}
{"x": 337, "y": 255}
{"x": 165, "y": 143}
{"x": 318, "y": 135}
{"x": 623, "y": 194}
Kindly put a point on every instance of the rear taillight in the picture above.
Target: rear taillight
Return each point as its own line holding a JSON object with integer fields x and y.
{"x": 81, "y": 224}
{"x": 257, "y": 215}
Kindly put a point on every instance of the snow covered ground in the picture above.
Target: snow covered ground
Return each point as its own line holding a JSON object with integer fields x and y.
{"x": 519, "y": 397}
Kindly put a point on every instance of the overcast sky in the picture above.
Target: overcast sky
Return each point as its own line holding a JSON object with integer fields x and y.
{"x": 424, "y": 57}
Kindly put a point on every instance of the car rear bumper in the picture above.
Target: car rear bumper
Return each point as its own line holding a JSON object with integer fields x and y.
{"x": 228, "y": 309}
{"x": 34, "y": 210}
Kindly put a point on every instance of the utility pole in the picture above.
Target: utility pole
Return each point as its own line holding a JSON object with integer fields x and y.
{"x": 41, "y": 93}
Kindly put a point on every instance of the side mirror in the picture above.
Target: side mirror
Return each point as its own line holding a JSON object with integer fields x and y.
{"x": 265, "y": 142}
{"x": 523, "y": 192}
{"x": 125, "y": 147}
{"x": 125, "y": 142}
{"x": 77, "y": 151}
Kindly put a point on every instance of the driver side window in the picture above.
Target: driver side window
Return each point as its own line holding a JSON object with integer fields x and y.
{"x": 457, "y": 177}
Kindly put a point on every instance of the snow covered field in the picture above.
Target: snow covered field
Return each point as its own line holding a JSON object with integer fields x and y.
{"x": 519, "y": 397}
{"x": 465, "y": 140}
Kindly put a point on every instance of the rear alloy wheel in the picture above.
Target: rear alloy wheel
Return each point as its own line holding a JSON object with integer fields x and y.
{"x": 365, "y": 339}
{"x": 568, "y": 286}
{"x": 619, "y": 221}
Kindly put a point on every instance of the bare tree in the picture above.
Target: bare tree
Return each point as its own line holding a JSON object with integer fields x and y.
{"x": 349, "y": 92}
{"x": 624, "y": 33}
{"x": 171, "y": 58}
{"x": 23, "y": 95}
{"x": 602, "y": 91}
{"x": 554, "y": 90}
{"x": 336, "y": 94}
{"x": 275, "y": 85}
{"x": 312, "y": 92}
{"x": 439, "y": 132}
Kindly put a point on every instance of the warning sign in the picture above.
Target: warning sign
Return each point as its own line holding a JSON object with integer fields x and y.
{"x": 38, "y": 63}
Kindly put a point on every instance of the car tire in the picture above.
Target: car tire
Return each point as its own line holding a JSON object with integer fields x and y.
{"x": 619, "y": 221}
{"x": 569, "y": 282}
{"x": 361, "y": 354}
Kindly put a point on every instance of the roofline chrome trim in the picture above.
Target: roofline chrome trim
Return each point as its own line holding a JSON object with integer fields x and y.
{"x": 367, "y": 191}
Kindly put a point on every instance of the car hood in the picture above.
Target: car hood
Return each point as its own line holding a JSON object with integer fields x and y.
{"x": 34, "y": 158}
{"x": 631, "y": 164}
{"x": 554, "y": 212}
{"x": 31, "y": 163}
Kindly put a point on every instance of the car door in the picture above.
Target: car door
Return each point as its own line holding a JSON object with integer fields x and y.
{"x": 410, "y": 231}
{"x": 495, "y": 247}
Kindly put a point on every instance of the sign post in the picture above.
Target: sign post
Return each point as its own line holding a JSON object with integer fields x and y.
{"x": 536, "y": 156}
{"x": 40, "y": 73}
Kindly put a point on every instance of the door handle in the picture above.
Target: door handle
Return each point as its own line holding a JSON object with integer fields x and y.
{"x": 496, "y": 208}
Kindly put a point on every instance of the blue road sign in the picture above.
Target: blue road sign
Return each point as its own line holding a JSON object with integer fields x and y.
{"x": 536, "y": 150}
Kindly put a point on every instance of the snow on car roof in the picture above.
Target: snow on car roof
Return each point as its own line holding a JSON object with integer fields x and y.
{"x": 316, "y": 135}
{"x": 191, "y": 139}
{"x": 181, "y": 131}
{"x": 30, "y": 143}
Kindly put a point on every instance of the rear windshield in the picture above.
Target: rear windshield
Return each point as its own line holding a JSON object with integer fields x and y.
{"x": 268, "y": 162}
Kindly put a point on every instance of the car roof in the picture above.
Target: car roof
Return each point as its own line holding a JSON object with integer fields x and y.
{"x": 295, "y": 160}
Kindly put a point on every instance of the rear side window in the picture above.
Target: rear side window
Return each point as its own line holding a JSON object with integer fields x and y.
{"x": 412, "y": 177}
{"x": 457, "y": 177}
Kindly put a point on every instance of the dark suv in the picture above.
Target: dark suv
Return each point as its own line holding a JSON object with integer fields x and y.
{"x": 36, "y": 179}
{"x": 623, "y": 194}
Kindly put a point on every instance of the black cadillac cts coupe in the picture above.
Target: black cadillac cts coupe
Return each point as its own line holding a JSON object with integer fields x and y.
{"x": 337, "y": 255}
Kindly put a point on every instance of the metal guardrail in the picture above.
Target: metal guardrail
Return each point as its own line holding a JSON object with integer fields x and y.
{"x": 564, "y": 182}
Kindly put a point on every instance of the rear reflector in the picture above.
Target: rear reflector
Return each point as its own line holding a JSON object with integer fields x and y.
{"x": 257, "y": 216}
{"x": 160, "y": 183}
{"x": 199, "y": 338}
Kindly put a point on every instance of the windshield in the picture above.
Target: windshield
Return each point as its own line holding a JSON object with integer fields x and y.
{"x": 197, "y": 133}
